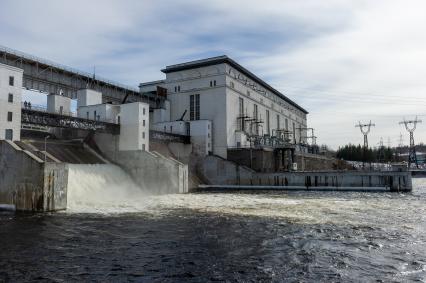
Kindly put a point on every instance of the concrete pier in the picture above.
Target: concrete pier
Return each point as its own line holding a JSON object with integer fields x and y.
{"x": 28, "y": 183}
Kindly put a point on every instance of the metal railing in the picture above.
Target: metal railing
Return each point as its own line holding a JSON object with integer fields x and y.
{"x": 63, "y": 67}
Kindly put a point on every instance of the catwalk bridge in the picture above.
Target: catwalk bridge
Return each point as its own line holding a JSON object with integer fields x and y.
{"x": 39, "y": 116}
{"x": 49, "y": 77}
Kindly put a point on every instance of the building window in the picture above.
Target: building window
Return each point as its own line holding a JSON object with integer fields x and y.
{"x": 211, "y": 83}
{"x": 143, "y": 135}
{"x": 241, "y": 121}
{"x": 178, "y": 88}
{"x": 10, "y": 98}
{"x": 143, "y": 123}
{"x": 9, "y": 134}
{"x": 194, "y": 107}
{"x": 278, "y": 122}
{"x": 267, "y": 123}
{"x": 143, "y": 146}
{"x": 94, "y": 115}
{"x": 143, "y": 111}
{"x": 232, "y": 84}
{"x": 248, "y": 93}
{"x": 171, "y": 129}
{"x": 87, "y": 115}
{"x": 255, "y": 117}
{"x": 9, "y": 116}
{"x": 61, "y": 109}
{"x": 286, "y": 124}
{"x": 11, "y": 81}
{"x": 294, "y": 132}
{"x": 118, "y": 119}
{"x": 175, "y": 88}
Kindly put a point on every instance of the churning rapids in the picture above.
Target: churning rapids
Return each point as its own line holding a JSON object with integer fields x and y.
{"x": 115, "y": 232}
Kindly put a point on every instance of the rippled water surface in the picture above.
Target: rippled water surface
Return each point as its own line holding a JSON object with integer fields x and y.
{"x": 228, "y": 237}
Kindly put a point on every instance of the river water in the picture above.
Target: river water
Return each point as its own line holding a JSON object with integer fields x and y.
{"x": 221, "y": 237}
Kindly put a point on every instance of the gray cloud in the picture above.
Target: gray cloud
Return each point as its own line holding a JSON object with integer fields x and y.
{"x": 342, "y": 60}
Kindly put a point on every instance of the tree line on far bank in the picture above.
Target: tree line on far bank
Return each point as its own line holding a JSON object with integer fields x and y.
{"x": 352, "y": 152}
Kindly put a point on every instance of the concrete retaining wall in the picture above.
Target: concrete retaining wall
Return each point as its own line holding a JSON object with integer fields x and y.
{"x": 28, "y": 183}
{"x": 218, "y": 171}
{"x": 152, "y": 171}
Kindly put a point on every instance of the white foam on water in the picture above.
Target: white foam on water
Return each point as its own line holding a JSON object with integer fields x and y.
{"x": 107, "y": 189}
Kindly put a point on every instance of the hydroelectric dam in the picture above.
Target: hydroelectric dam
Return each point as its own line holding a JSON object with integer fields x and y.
{"x": 94, "y": 139}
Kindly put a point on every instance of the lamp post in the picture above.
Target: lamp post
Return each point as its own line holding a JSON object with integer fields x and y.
{"x": 45, "y": 147}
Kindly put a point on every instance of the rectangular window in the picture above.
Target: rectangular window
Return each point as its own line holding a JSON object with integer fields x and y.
{"x": 10, "y": 98}
{"x": 143, "y": 135}
{"x": 278, "y": 122}
{"x": 286, "y": 124}
{"x": 214, "y": 82}
{"x": 294, "y": 133}
{"x": 256, "y": 116}
{"x": 197, "y": 107}
{"x": 94, "y": 115}
{"x": 268, "y": 130}
{"x": 9, "y": 134}
{"x": 11, "y": 81}
{"x": 241, "y": 123}
{"x": 143, "y": 123}
{"x": 232, "y": 84}
{"x": 143, "y": 146}
{"x": 143, "y": 111}
{"x": 61, "y": 109}
{"x": 87, "y": 115}
{"x": 211, "y": 83}
{"x": 9, "y": 116}
{"x": 194, "y": 107}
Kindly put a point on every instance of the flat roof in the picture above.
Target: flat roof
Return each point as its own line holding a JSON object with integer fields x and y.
{"x": 225, "y": 59}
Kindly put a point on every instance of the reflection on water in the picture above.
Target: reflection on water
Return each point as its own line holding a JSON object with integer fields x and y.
{"x": 297, "y": 236}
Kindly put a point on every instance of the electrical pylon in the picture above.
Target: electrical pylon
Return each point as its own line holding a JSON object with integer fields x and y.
{"x": 411, "y": 126}
{"x": 365, "y": 130}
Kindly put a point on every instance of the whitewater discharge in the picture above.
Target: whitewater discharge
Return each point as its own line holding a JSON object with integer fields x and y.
{"x": 102, "y": 188}
{"x": 107, "y": 189}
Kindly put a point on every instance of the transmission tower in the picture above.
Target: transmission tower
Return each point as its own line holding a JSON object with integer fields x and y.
{"x": 411, "y": 126}
{"x": 365, "y": 130}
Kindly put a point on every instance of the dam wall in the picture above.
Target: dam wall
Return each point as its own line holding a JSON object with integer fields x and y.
{"x": 28, "y": 183}
{"x": 152, "y": 171}
{"x": 216, "y": 171}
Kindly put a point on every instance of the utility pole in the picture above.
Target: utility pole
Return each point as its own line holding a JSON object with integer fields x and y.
{"x": 400, "y": 146}
{"x": 381, "y": 151}
{"x": 411, "y": 126}
{"x": 365, "y": 130}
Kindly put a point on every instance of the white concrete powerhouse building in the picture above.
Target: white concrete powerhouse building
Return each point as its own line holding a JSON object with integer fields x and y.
{"x": 10, "y": 102}
{"x": 237, "y": 102}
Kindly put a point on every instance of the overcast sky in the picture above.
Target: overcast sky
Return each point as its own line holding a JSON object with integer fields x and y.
{"x": 343, "y": 61}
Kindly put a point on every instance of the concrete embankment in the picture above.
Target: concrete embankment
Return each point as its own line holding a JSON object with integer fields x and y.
{"x": 225, "y": 174}
{"x": 28, "y": 183}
